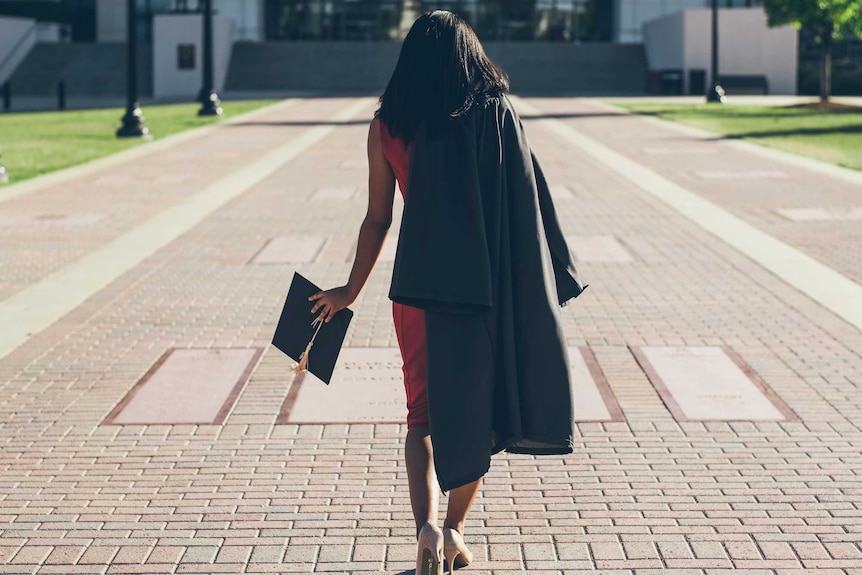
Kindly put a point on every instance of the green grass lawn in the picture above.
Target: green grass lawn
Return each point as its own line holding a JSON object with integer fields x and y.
{"x": 34, "y": 143}
{"x": 833, "y": 135}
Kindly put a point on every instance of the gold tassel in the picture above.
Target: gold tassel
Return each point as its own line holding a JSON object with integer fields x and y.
{"x": 303, "y": 359}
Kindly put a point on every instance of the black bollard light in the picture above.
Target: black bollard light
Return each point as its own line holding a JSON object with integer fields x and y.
{"x": 210, "y": 104}
{"x": 133, "y": 120}
{"x": 716, "y": 92}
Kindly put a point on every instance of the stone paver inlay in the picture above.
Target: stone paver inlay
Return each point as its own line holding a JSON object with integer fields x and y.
{"x": 675, "y": 150}
{"x": 188, "y": 386}
{"x": 598, "y": 249}
{"x": 592, "y": 397}
{"x": 561, "y": 192}
{"x": 740, "y": 174}
{"x": 290, "y": 250}
{"x": 367, "y": 385}
{"x": 43, "y": 221}
{"x": 705, "y": 384}
{"x": 822, "y": 214}
{"x": 333, "y": 193}
{"x": 353, "y": 164}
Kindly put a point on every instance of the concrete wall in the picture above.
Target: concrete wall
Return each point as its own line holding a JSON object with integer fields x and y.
{"x": 747, "y": 46}
{"x": 630, "y": 15}
{"x": 17, "y": 38}
{"x": 664, "y": 41}
{"x": 171, "y": 30}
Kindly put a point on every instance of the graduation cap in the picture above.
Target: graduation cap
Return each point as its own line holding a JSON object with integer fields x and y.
{"x": 299, "y": 331}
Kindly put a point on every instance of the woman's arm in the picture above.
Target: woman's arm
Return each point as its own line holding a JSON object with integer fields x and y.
{"x": 372, "y": 233}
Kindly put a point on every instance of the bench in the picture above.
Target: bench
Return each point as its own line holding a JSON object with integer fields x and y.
{"x": 736, "y": 84}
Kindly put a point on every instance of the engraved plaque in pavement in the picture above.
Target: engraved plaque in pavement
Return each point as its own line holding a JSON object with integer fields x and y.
{"x": 591, "y": 395}
{"x": 49, "y": 220}
{"x": 822, "y": 214}
{"x": 367, "y": 386}
{"x": 677, "y": 150}
{"x": 598, "y": 249}
{"x": 294, "y": 249}
{"x": 333, "y": 193}
{"x": 740, "y": 174}
{"x": 112, "y": 180}
{"x": 354, "y": 164}
{"x": 561, "y": 192}
{"x": 187, "y": 386}
{"x": 169, "y": 179}
{"x": 707, "y": 383}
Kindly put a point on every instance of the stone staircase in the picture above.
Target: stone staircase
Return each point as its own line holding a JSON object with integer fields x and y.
{"x": 90, "y": 70}
{"x": 546, "y": 68}
{"x": 533, "y": 67}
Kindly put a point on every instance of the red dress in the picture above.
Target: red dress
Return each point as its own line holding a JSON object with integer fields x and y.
{"x": 409, "y": 321}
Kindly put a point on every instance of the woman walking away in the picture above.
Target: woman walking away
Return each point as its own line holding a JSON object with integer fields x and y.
{"x": 480, "y": 273}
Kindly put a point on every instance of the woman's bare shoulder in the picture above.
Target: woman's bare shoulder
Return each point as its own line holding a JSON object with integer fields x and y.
{"x": 376, "y": 155}
{"x": 374, "y": 130}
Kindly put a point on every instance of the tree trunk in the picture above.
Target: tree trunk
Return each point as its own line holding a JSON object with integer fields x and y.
{"x": 825, "y": 70}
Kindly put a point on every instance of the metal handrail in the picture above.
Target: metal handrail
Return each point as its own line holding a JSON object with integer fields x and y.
{"x": 21, "y": 41}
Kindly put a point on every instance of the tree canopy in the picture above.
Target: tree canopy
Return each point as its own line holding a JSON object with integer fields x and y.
{"x": 827, "y": 19}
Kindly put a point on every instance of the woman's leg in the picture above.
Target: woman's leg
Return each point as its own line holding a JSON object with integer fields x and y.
{"x": 424, "y": 490}
{"x": 460, "y": 501}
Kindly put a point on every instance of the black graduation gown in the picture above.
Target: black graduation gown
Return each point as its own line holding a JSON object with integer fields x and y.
{"x": 481, "y": 251}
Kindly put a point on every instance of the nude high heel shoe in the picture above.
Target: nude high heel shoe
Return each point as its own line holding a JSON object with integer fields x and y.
{"x": 429, "y": 555}
{"x": 454, "y": 549}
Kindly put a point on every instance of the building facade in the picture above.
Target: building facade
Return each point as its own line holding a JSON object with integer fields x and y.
{"x": 603, "y": 21}
{"x": 549, "y": 46}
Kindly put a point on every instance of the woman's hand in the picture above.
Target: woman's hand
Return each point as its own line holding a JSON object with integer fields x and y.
{"x": 331, "y": 302}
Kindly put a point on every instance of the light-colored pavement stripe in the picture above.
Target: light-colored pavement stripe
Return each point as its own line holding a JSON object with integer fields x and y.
{"x": 40, "y": 305}
{"x": 41, "y": 182}
{"x": 821, "y": 283}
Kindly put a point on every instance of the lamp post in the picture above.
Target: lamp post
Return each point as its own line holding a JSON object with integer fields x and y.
{"x": 210, "y": 104}
{"x": 133, "y": 120}
{"x": 715, "y": 92}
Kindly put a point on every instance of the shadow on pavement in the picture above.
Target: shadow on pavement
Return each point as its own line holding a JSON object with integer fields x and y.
{"x": 853, "y": 129}
{"x": 308, "y": 123}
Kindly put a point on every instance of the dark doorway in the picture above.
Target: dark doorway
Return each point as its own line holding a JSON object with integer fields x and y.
{"x": 81, "y": 16}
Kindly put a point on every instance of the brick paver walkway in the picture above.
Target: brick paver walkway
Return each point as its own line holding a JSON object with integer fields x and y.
{"x": 648, "y": 493}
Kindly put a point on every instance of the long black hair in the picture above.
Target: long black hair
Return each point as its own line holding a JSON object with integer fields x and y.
{"x": 441, "y": 73}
